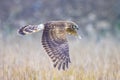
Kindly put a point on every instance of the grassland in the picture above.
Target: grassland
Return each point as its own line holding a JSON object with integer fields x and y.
{"x": 25, "y": 59}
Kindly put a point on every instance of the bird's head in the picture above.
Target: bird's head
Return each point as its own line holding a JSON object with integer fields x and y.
{"x": 72, "y": 28}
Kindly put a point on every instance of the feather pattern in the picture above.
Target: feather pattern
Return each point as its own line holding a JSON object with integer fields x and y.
{"x": 56, "y": 46}
{"x": 28, "y": 29}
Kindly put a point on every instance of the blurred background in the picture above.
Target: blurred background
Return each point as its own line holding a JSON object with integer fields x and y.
{"x": 95, "y": 18}
{"x": 98, "y": 50}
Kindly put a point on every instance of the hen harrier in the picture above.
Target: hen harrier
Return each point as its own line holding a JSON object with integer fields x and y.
{"x": 54, "y": 39}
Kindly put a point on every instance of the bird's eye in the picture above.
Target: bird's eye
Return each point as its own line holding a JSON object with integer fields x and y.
{"x": 73, "y": 27}
{"x": 77, "y": 27}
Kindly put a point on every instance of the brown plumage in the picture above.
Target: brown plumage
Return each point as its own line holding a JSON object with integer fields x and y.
{"x": 54, "y": 40}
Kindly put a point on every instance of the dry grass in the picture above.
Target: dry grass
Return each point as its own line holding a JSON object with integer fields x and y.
{"x": 23, "y": 60}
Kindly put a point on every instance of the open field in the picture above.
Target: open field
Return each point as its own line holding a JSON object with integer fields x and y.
{"x": 95, "y": 57}
{"x": 25, "y": 59}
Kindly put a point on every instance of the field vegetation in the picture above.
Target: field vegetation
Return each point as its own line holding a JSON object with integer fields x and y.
{"x": 23, "y": 58}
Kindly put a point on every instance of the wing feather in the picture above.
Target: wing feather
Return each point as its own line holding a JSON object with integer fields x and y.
{"x": 55, "y": 43}
{"x": 29, "y": 29}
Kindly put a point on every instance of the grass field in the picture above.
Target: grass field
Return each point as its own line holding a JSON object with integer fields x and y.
{"x": 25, "y": 59}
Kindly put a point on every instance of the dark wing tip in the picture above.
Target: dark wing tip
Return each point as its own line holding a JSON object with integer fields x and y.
{"x": 21, "y": 31}
{"x": 62, "y": 64}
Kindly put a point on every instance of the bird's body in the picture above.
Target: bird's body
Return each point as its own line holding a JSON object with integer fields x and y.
{"x": 54, "y": 39}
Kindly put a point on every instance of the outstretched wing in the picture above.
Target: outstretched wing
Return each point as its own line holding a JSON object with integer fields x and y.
{"x": 55, "y": 43}
{"x": 28, "y": 29}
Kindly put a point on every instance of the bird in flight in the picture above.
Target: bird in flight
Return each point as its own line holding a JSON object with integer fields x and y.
{"x": 54, "y": 40}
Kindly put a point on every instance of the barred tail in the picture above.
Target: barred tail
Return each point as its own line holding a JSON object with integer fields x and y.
{"x": 28, "y": 29}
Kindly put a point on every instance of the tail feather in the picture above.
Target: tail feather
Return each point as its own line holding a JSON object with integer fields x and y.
{"x": 29, "y": 29}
